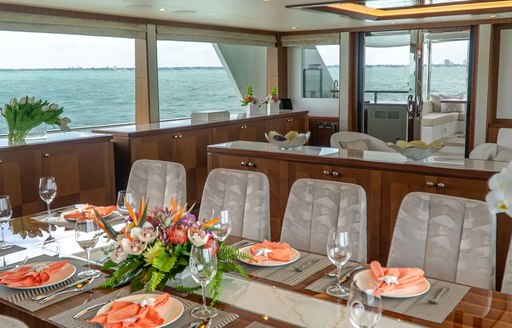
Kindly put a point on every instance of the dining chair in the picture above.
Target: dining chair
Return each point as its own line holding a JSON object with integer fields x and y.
{"x": 315, "y": 206}
{"x": 245, "y": 195}
{"x": 158, "y": 181}
{"x": 506, "y": 286}
{"x": 450, "y": 238}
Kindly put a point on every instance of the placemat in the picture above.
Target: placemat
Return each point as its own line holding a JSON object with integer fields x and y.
{"x": 23, "y": 297}
{"x": 417, "y": 307}
{"x": 11, "y": 250}
{"x": 308, "y": 264}
{"x": 258, "y": 325}
{"x": 65, "y": 319}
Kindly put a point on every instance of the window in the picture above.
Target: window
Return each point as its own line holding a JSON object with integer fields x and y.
{"x": 196, "y": 76}
{"x": 92, "y": 78}
{"x": 320, "y": 71}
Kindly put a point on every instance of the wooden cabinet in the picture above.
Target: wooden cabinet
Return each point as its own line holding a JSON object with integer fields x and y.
{"x": 285, "y": 124}
{"x": 248, "y": 130}
{"x": 83, "y": 169}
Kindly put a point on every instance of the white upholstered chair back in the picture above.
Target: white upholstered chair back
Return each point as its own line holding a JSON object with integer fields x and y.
{"x": 450, "y": 238}
{"x": 506, "y": 286}
{"x": 315, "y": 206}
{"x": 158, "y": 181}
{"x": 374, "y": 144}
{"x": 504, "y": 140}
{"x": 245, "y": 195}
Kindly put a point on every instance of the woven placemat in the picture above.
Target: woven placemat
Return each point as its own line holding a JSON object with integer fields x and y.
{"x": 22, "y": 297}
{"x": 258, "y": 325}
{"x": 417, "y": 307}
{"x": 65, "y": 319}
{"x": 11, "y": 250}
{"x": 308, "y": 263}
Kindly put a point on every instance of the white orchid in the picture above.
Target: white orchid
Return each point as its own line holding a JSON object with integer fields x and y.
{"x": 499, "y": 198}
{"x": 118, "y": 254}
{"x": 197, "y": 237}
{"x": 135, "y": 246}
{"x": 146, "y": 234}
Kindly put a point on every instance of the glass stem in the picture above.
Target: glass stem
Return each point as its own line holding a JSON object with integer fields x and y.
{"x": 48, "y": 207}
{"x": 203, "y": 287}
{"x": 2, "y": 240}
{"x": 338, "y": 273}
{"x": 88, "y": 252}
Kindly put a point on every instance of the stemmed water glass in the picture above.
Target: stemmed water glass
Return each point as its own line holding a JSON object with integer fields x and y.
{"x": 203, "y": 267}
{"x": 339, "y": 252}
{"x": 47, "y": 192}
{"x": 123, "y": 197}
{"x": 364, "y": 307}
{"x": 222, "y": 228}
{"x": 5, "y": 216}
{"x": 87, "y": 234}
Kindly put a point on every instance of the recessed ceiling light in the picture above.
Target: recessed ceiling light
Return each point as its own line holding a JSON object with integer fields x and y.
{"x": 393, "y": 22}
{"x": 294, "y": 28}
{"x": 183, "y": 12}
{"x": 162, "y": 9}
{"x": 266, "y": 0}
{"x": 493, "y": 16}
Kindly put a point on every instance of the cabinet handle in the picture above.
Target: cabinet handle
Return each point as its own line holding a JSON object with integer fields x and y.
{"x": 327, "y": 173}
{"x": 335, "y": 174}
{"x": 175, "y": 137}
{"x": 430, "y": 184}
{"x": 251, "y": 164}
{"x": 289, "y": 120}
{"x": 46, "y": 155}
{"x": 441, "y": 185}
{"x": 0, "y": 161}
{"x": 180, "y": 136}
{"x": 243, "y": 163}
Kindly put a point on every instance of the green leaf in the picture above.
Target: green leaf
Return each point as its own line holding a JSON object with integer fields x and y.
{"x": 109, "y": 264}
{"x": 164, "y": 262}
{"x": 156, "y": 279}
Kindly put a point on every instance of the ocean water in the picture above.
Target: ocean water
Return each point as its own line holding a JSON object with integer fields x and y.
{"x": 104, "y": 96}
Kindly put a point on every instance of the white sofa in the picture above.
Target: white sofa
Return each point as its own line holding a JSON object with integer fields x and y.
{"x": 499, "y": 151}
{"x": 435, "y": 125}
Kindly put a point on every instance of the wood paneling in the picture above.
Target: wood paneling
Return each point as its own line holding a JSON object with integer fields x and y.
{"x": 322, "y": 128}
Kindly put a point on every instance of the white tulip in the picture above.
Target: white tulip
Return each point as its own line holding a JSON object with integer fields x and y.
{"x": 14, "y": 102}
{"x": 4, "y": 109}
{"x": 54, "y": 107}
{"x": 45, "y": 108}
{"x": 23, "y": 100}
{"x": 31, "y": 100}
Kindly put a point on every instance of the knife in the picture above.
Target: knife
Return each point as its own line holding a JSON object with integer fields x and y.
{"x": 350, "y": 272}
{"x": 78, "y": 287}
{"x": 72, "y": 284}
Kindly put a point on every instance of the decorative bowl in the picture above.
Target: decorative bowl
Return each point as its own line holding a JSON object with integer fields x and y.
{"x": 416, "y": 149}
{"x": 292, "y": 139}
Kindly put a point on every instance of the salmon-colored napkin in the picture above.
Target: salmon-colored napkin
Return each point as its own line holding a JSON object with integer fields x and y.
{"x": 30, "y": 275}
{"x": 271, "y": 251}
{"x": 87, "y": 212}
{"x": 395, "y": 278}
{"x": 138, "y": 314}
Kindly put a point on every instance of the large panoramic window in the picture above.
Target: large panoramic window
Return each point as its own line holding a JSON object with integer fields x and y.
{"x": 449, "y": 73}
{"x": 320, "y": 71}
{"x": 91, "y": 77}
{"x": 197, "y": 76}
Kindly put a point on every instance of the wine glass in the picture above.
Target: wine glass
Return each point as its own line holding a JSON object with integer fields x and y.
{"x": 222, "y": 228}
{"x": 203, "y": 267}
{"x": 5, "y": 216}
{"x": 364, "y": 307}
{"x": 87, "y": 234}
{"x": 123, "y": 197}
{"x": 339, "y": 252}
{"x": 47, "y": 192}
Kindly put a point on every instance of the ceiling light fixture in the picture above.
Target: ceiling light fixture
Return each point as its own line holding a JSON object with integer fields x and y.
{"x": 294, "y": 28}
{"x": 442, "y": 9}
{"x": 162, "y": 9}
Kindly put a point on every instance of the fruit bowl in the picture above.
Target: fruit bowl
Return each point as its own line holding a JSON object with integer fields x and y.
{"x": 416, "y": 149}
{"x": 292, "y": 139}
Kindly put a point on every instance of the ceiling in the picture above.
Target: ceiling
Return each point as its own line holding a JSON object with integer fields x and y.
{"x": 254, "y": 14}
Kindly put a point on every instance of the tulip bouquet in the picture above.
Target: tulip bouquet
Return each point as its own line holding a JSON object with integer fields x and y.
{"x": 500, "y": 196}
{"x": 154, "y": 246}
{"x": 27, "y": 113}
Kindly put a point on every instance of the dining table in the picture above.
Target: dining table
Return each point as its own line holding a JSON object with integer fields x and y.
{"x": 264, "y": 300}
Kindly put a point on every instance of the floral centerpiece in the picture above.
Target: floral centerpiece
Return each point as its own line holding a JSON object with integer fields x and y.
{"x": 500, "y": 196}
{"x": 27, "y": 113}
{"x": 272, "y": 101}
{"x": 154, "y": 246}
{"x": 253, "y": 104}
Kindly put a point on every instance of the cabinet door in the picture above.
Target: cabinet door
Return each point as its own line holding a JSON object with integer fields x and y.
{"x": 19, "y": 179}
{"x": 280, "y": 125}
{"x": 277, "y": 174}
{"x": 296, "y": 124}
{"x": 225, "y": 133}
{"x": 83, "y": 173}
{"x": 254, "y": 131}
{"x": 466, "y": 188}
{"x": 228, "y": 162}
{"x": 189, "y": 149}
{"x": 394, "y": 187}
{"x": 156, "y": 147}
{"x": 298, "y": 170}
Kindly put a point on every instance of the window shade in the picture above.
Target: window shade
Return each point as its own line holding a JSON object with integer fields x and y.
{"x": 310, "y": 39}
{"x": 176, "y": 33}
{"x": 22, "y": 22}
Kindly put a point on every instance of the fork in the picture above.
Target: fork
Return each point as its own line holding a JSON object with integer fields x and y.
{"x": 87, "y": 309}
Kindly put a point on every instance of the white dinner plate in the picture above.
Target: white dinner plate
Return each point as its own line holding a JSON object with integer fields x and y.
{"x": 364, "y": 281}
{"x": 66, "y": 272}
{"x": 170, "y": 311}
{"x": 269, "y": 263}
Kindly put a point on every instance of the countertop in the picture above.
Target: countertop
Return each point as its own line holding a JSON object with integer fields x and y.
{"x": 51, "y": 138}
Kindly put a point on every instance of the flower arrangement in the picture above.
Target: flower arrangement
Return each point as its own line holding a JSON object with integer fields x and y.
{"x": 249, "y": 98}
{"x": 154, "y": 246}
{"x": 27, "y": 113}
{"x": 499, "y": 198}
{"x": 272, "y": 96}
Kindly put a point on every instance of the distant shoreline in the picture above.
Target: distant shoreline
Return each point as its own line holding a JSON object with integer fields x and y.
{"x": 180, "y": 68}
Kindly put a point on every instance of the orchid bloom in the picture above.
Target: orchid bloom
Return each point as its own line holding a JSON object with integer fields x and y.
{"x": 499, "y": 198}
{"x": 134, "y": 246}
{"x": 197, "y": 237}
{"x": 146, "y": 234}
{"x": 118, "y": 254}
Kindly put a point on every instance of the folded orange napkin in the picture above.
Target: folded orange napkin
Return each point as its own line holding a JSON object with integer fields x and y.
{"x": 30, "y": 275}
{"x": 395, "y": 278}
{"x": 271, "y": 251}
{"x": 87, "y": 212}
{"x": 137, "y": 314}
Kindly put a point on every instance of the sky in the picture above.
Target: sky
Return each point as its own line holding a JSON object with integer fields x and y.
{"x": 43, "y": 50}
